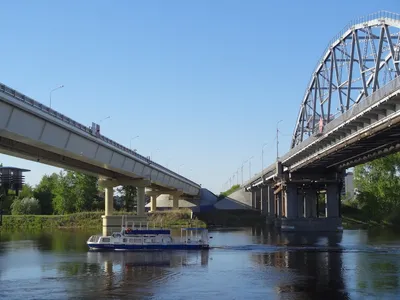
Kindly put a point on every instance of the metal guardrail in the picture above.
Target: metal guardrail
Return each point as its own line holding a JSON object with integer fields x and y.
{"x": 21, "y": 97}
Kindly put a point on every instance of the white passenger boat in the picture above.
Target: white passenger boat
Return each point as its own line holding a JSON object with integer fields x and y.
{"x": 131, "y": 238}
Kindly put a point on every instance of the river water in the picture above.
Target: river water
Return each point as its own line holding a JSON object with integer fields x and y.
{"x": 245, "y": 263}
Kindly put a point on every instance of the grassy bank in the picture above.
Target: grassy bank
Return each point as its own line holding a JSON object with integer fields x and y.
{"x": 355, "y": 218}
{"x": 90, "y": 220}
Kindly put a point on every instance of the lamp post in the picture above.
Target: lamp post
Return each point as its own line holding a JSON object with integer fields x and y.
{"x": 130, "y": 142}
{"x": 262, "y": 158}
{"x": 59, "y": 87}
{"x": 242, "y": 169}
{"x": 277, "y": 139}
{"x": 250, "y": 166}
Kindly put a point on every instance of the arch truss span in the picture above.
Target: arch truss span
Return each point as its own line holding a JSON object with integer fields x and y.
{"x": 364, "y": 57}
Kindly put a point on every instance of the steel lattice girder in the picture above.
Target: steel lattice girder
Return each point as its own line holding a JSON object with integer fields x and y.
{"x": 364, "y": 58}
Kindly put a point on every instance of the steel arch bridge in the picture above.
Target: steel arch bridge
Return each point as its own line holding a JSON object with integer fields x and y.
{"x": 361, "y": 59}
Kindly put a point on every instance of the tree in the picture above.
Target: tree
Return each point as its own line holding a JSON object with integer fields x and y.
{"x": 129, "y": 195}
{"x": 25, "y": 206}
{"x": 65, "y": 193}
{"x": 26, "y": 192}
{"x": 45, "y": 192}
{"x": 86, "y": 191}
{"x": 379, "y": 185}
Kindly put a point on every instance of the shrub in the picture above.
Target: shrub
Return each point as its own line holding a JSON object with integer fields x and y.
{"x": 25, "y": 206}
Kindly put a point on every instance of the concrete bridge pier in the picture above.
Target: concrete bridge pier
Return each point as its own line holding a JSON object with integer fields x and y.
{"x": 267, "y": 203}
{"x": 113, "y": 223}
{"x": 300, "y": 206}
{"x": 175, "y": 198}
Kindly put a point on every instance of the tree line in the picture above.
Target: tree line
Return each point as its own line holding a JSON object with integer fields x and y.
{"x": 378, "y": 189}
{"x": 64, "y": 193}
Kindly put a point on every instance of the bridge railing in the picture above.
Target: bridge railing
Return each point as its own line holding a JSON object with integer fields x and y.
{"x": 23, "y": 98}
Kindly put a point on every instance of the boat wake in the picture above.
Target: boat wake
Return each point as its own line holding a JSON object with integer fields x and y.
{"x": 310, "y": 248}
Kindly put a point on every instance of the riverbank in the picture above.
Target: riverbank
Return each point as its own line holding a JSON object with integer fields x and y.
{"x": 92, "y": 220}
{"x": 355, "y": 218}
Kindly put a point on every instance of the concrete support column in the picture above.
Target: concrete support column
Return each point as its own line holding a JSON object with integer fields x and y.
{"x": 140, "y": 201}
{"x": 300, "y": 205}
{"x": 258, "y": 200}
{"x": 291, "y": 201}
{"x": 153, "y": 203}
{"x": 332, "y": 200}
{"x": 264, "y": 201}
{"x": 278, "y": 199}
{"x": 310, "y": 202}
{"x": 175, "y": 200}
{"x": 271, "y": 201}
{"x": 109, "y": 201}
{"x": 253, "y": 199}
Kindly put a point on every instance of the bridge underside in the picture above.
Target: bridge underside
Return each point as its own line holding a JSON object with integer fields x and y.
{"x": 30, "y": 152}
{"x": 382, "y": 141}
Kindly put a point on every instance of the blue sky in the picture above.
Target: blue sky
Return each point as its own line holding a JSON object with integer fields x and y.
{"x": 205, "y": 82}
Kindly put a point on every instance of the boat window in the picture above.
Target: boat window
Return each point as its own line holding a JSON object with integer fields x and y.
{"x": 124, "y": 240}
{"x": 131, "y": 240}
{"x": 105, "y": 240}
{"x": 138, "y": 241}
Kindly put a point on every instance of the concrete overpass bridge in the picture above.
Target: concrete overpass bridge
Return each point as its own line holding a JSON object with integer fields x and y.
{"x": 33, "y": 131}
{"x": 350, "y": 114}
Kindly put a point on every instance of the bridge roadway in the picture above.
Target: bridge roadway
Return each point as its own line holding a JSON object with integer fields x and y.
{"x": 366, "y": 127}
{"x": 33, "y": 131}
{"x": 368, "y": 131}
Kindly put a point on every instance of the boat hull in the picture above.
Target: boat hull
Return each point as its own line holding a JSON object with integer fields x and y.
{"x": 122, "y": 247}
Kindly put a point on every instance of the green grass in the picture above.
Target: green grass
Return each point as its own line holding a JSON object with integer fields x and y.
{"x": 93, "y": 220}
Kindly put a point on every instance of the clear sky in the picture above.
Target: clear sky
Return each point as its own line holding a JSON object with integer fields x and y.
{"x": 203, "y": 83}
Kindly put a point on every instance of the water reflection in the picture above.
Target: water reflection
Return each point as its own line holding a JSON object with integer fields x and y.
{"x": 245, "y": 263}
{"x": 317, "y": 270}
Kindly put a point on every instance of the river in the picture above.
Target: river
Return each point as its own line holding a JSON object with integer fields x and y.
{"x": 245, "y": 263}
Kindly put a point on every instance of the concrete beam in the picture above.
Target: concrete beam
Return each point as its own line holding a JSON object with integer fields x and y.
{"x": 134, "y": 182}
{"x": 123, "y": 181}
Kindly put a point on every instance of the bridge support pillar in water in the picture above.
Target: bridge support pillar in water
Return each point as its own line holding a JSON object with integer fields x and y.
{"x": 113, "y": 223}
{"x": 263, "y": 200}
{"x": 298, "y": 208}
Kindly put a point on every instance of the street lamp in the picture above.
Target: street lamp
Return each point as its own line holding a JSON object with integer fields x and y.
{"x": 242, "y": 169}
{"x": 277, "y": 139}
{"x": 130, "y": 142}
{"x": 262, "y": 158}
{"x": 250, "y": 167}
{"x": 59, "y": 87}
